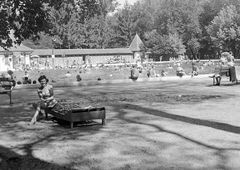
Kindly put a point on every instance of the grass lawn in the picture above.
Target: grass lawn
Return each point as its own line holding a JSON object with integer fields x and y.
{"x": 110, "y": 73}
{"x": 175, "y": 125}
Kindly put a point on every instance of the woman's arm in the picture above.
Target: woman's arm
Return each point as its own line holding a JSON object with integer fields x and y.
{"x": 51, "y": 94}
{"x": 40, "y": 95}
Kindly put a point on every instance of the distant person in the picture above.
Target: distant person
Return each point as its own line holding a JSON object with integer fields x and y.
{"x": 230, "y": 59}
{"x": 148, "y": 72}
{"x": 3, "y": 75}
{"x": 151, "y": 72}
{"x": 25, "y": 78}
{"x": 179, "y": 71}
{"x": 134, "y": 73}
{"x": 163, "y": 73}
{"x": 140, "y": 70}
{"x": 169, "y": 66}
{"x": 68, "y": 74}
{"x": 78, "y": 77}
{"x": 12, "y": 78}
{"x": 195, "y": 70}
{"x": 232, "y": 71}
{"x": 26, "y": 75}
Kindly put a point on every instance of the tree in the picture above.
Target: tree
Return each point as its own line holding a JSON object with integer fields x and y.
{"x": 107, "y": 6}
{"x": 142, "y": 17}
{"x": 25, "y": 18}
{"x": 44, "y": 42}
{"x": 123, "y": 27}
{"x": 167, "y": 45}
{"x": 225, "y": 30}
{"x": 79, "y": 23}
{"x": 63, "y": 20}
{"x": 211, "y": 8}
{"x": 194, "y": 46}
{"x": 92, "y": 33}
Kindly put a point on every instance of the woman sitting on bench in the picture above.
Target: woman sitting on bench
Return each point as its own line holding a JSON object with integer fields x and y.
{"x": 227, "y": 62}
{"x": 47, "y": 101}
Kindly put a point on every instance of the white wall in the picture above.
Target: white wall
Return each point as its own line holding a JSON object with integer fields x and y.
{"x": 3, "y": 66}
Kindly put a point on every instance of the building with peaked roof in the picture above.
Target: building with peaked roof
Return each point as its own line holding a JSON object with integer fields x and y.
{"x": 136, "y": 43}
{"x": 135, "y": 47}
{"x": 65, "y": 57}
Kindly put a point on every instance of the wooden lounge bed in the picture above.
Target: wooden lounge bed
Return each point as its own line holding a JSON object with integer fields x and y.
{"x": 81, "y": 114}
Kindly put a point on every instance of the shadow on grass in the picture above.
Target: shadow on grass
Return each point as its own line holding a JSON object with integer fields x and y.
{"x": 224, "y": 85}
{"x": 216, "y": 125}
{"x": 220, "y": 152}
{"x": 13, "y": 161}
{"x": 14, "y": 126}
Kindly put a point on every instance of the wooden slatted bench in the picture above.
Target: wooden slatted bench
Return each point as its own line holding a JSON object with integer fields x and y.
{"x": 6, "y": 87}
{"x": 219, "y": 72}
{"x": 81, "y": 114}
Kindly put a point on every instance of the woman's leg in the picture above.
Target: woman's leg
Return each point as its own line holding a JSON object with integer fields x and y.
{"x": 39, "y": 107}
{"x": 34, "y": 119}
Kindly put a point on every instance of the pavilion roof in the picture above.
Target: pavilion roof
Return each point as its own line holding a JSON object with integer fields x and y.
{"x": 45, "y": 52}
{"x": 135, "y": 45}
{"x": 17, "y": 48}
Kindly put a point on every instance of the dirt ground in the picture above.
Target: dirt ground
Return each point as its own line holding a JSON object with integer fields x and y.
{"x": 164, "y": 125}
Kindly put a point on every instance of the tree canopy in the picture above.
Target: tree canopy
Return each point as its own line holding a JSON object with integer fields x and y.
{"x": 196, "y": 28}
{"x": 24, "y": 18}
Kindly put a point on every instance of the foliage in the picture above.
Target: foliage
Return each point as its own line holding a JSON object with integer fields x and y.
{"x": 123, "y": 27}
{"x": 225, "y": 30}
{"x": 44, "y": 42}
{"x": 168, "y": 45}
{"x": 92, "y": 33}
{"x": 25, "y": 18}
{"x": 197, "y": 28}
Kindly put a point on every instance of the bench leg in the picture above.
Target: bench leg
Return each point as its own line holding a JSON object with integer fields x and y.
{"x": 10, "y": 96}
{"x": 103, "y": 121}
{"x": 71, "y": 125}
{"x": 213, "y": 80}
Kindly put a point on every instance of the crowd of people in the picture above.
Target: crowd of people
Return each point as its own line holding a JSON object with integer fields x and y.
{"x": 46, "y": 95}
{"x": 139, "y": 69}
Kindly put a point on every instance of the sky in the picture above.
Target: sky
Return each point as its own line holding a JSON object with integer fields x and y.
{"x": 122, "y": 2}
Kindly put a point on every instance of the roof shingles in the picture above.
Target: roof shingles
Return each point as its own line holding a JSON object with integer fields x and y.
{"x": 44, "y": 52}
{"x": 135, "y": 45}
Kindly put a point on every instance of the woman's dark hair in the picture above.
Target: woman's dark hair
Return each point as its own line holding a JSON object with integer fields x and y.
{"x": 41, "y": 78}
{"x": 10, "y": 72}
